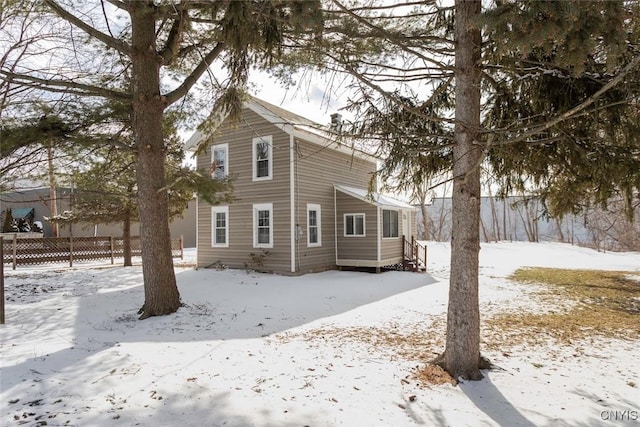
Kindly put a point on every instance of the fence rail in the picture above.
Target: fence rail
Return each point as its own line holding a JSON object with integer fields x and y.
{"x": 42, "y": 250}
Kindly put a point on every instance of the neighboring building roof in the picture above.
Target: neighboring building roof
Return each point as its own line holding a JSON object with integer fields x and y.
{"x": 22, "y": 212}
{"x": 293, "y": 124}
{"x": 376, "y": 199}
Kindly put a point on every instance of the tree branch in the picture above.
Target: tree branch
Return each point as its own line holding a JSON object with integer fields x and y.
{"x": 396, "y": 38}
{"x": 578, "y": 108}
{"x": 56, "y": 86}
{"x": 112, "y": 42}
{"x": 181, "y": 7}
{"x": 171, "y": 47}
{"x": 192, "y": 78}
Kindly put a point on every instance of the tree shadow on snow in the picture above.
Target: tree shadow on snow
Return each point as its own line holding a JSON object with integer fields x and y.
{"x": 489, "y": 399}
{"x": 234, "y": 304}
{"x": 218, "y": 305}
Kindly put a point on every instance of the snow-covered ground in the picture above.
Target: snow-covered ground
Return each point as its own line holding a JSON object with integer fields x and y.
{"x": 327, "y": 349}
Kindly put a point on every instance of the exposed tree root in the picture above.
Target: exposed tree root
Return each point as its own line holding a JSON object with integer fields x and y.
{"x": 146, "y": 313}
{"x": 469, "y": 375}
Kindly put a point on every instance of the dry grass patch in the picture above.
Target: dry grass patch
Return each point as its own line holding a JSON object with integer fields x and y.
{"x": 603, "y": 303}
{"x": 411, "y": 342}
{"x": 433, "y": 375}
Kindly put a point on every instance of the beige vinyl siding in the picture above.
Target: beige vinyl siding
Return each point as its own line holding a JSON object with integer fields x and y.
{"x": 391, "y": 249}
{"x": 240, "y": 137}
{"x": 360, "y": 248}
{"x": 317, "y": 170}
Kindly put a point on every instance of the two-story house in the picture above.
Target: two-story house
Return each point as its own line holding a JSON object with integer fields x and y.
{"x": 301, "y": 202}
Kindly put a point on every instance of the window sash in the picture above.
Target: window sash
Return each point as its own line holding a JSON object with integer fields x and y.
{"x": 262, "y": 168}
{"x": 263, "y": 226}
{"x": 220, "y": 226}
{"x": 313, "y": 225}
{"x": 354, "y": 225}
{"x": 262, "y": 158}
{"x": 390, "y": 223}
{"x": 219, "y": 161}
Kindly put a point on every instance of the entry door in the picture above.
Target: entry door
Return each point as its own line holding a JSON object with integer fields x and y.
{"x": 406, "y": 225}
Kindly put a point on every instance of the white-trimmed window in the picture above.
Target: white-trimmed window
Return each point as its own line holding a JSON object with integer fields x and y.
{"x": 262, "y": 158}
{"x": 220, "y": 226}
{"x": 354, "y": 225}
{"x": 219, "y": 161}
{"x": 263, "y": 225}
{"x": 390, "y": 223}
{"x": 314, "y": 228}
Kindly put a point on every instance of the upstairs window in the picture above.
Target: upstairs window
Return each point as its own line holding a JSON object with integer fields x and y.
{"x": 262, "y": 158}
{"x": 354, "y": 225}
{"x": 314, "y": 233}
{"x": 389, "y": 223}
{"x": 219, "y": 161}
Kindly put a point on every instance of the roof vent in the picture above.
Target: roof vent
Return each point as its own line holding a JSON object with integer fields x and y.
{"x": 336, "y": 122}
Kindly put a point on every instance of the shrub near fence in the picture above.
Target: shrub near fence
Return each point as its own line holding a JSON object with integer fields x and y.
{"x": 43, "y": 250}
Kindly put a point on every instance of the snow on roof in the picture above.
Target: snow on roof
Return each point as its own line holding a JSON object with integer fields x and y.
{"x": 374, "y": 198}
{"x": 286, "y": 116}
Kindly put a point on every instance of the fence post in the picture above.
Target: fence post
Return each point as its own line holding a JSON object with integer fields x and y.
{"x": 15, "y": 250}
{"x": 111, "y": 247}
{"x": 70, "y": 251}
{"x": 2, "y": 281}
{"x": 181, "y": 246}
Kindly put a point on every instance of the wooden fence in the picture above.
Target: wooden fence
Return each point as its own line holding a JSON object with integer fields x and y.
{"x": 42, "y": 250}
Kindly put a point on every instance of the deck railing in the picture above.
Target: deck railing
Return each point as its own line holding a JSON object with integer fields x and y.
{"x": 414, "y": 254}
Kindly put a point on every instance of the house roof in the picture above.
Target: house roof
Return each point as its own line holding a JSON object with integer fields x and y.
{"x": 293, "y": 124}
{"x": 374, "y": 198}
{"x": 288, "y": 116}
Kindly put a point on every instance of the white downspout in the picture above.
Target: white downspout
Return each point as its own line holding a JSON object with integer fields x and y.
{"x": 198, "y": 229}
{"x": 335, "y": 222}
{"x": 378, "y": 236}
{"x": 292, "y": 213}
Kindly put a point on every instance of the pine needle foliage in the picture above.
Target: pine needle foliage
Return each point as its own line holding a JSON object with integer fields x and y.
{"x": 547, "y": 58}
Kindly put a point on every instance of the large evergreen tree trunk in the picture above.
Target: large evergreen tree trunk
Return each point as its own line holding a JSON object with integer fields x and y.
{"x": 161, "y": 292}
{"x": 462, "y": 351}
{"x": 126, "y": 240}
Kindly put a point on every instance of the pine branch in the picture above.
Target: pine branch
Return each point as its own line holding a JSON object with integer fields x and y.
{"x": 192, "y": 78}
{"x": 112, "y": 42}
{"x": 397, "y": 39}
{"x": 65, "y": 86}
{"x": 573, "y": 112}
{"x": 388, "y": 95}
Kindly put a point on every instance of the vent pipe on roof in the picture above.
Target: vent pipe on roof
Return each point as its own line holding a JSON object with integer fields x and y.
{"x": 336, "y": 122}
